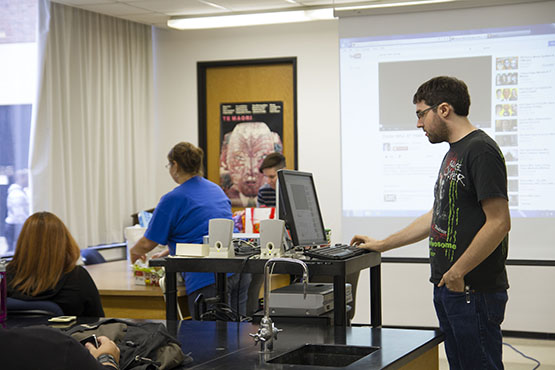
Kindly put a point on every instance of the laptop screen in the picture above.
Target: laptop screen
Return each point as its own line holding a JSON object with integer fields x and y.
{"x": 299, "y": 208}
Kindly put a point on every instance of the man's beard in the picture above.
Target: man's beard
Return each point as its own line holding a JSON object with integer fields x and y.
{"x": 440, "y": 132}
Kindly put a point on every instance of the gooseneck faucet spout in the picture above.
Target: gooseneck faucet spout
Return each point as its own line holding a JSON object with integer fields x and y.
{"x": 267, "y": 267}
{"x": 267, "y": 332}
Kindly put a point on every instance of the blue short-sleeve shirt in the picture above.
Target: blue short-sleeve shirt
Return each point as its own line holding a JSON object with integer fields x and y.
{"x": 182, "y": 216}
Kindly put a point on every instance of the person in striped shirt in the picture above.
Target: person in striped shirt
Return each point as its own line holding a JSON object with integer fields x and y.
{"x": 269, "y": 167}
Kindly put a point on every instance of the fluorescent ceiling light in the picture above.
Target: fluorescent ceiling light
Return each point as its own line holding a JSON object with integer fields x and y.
{"x": 254, "y": 19}
{"x": 275, "y": 17}
{"x": 391, "y": 5}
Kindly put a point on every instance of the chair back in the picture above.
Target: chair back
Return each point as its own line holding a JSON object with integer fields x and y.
{"x": 21, "y": 307}
{"x": 91, "y": 256}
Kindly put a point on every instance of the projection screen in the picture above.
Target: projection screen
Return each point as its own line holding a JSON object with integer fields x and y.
{"x": 388, "y": 166}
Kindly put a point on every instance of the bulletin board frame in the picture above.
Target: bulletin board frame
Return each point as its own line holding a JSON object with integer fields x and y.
{"x": 249, "y": 80}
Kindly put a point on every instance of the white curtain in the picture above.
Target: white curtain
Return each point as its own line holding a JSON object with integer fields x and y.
{"x": 90, "y": 159}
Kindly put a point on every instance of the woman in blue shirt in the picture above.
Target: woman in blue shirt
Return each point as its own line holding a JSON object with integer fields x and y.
{"x": 183, "y": 215}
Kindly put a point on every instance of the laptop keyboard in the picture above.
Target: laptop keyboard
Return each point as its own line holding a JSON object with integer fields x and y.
{"x": 335, "y": 252}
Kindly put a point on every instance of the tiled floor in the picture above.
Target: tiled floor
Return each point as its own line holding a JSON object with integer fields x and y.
{"x": 541, "y": 350}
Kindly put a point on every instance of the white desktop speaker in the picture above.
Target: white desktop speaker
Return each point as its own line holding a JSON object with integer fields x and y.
{"x": 220, "y": 234}
{"x": 272, "y": 238}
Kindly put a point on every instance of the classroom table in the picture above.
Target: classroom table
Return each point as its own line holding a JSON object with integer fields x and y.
{"x": 121, "y": 297}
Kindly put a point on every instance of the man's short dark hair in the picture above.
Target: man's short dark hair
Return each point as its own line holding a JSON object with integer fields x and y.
{"x": 444, "y": 89}
{"x": 273, "y": 160}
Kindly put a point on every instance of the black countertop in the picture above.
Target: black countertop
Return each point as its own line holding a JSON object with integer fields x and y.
{"x": 227, "y": 345}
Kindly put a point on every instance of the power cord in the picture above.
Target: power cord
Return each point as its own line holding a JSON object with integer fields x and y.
{"x": 248, "y": 249}
{"x": 238, "y": 293}
{"x": 162, "y": 283}
{"x": 245, "y": 248}
{"x": 221, "y": 312}
{"x": 523, "y": 355}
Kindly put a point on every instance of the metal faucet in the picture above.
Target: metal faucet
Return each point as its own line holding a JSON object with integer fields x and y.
{"x": 267, "y": 332}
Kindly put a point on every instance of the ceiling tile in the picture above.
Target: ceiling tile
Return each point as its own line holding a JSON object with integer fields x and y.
{"x": 79, "y": 3}
{"x": 116, "y": 10}
{"x": 249, "y": 5}
{"x": 176, "y": 6}
{"x": 151, "y": 18}
{"x": 123, "y": 8}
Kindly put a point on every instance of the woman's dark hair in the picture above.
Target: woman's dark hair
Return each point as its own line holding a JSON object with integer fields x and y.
{"x": 188, "y": 157}
{"x": 444, "y": 89}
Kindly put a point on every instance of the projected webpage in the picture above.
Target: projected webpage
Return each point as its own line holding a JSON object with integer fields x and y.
{"x": 389, "y": 167}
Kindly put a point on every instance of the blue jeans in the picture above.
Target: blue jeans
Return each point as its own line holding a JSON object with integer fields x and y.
{"x": 473, "y": 339}
{"x": 235, "y": 290}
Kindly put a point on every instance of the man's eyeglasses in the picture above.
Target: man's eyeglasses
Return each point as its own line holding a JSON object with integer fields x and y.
{"x": 422, "y": 113}
{"x": 168, "y": 165}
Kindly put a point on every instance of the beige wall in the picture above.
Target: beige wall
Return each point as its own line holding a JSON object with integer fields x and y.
{"x": 315, "y": 46}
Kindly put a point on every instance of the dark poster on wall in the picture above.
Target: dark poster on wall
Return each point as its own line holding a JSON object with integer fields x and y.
{"x": 248, "y": 132}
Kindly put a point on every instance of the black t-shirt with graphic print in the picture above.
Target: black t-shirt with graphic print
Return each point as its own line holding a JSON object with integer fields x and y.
{"x": 472, "y": 170}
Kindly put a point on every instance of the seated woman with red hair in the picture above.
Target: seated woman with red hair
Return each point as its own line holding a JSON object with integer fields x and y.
{"x": 44, "y": 268}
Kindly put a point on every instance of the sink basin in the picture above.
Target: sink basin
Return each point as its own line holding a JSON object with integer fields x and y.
{"x": 323, "y": 355}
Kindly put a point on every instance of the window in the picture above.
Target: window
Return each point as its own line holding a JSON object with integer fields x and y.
{"x": 18, "y": 61}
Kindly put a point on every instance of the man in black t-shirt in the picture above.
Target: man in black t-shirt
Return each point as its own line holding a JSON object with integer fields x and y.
{"x": 467, "y": 228}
